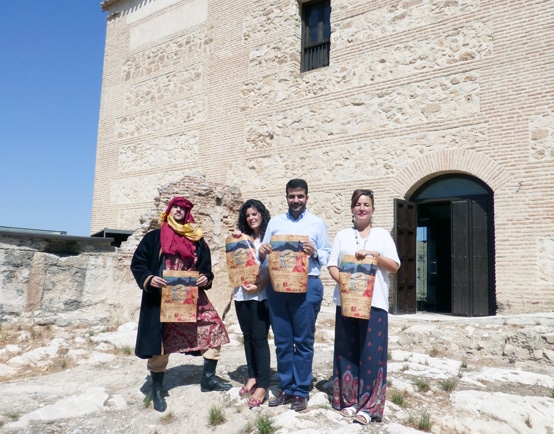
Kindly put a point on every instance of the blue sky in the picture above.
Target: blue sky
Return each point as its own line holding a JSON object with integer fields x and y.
{"x": 50, "y": 83}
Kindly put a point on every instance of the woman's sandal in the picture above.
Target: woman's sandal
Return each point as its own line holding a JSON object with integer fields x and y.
{"x": 254, "y": 403}
{"x": 349, "y": 411}
{"x": 245, "y": 392}
{"x": 362, "y": 417}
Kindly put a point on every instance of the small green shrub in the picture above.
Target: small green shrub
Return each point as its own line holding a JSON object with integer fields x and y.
{"x": 422, "y": 385}
{"x": 248, "y": 428}
{"x": 264, "y": 424}
{"x": 216, "y": 416}
{"x": 448, "y": 385}
{"x": 398, "y": 397}
{"x": 13, "y": 415}
{"x": 424, "y": 422}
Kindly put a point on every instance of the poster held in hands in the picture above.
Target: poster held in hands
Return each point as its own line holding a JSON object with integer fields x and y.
{"x": 180, "y": 296}
{"x": 356, "y": 281}
{"x": 242, "y": 263}
{"x": 288, "y": 264}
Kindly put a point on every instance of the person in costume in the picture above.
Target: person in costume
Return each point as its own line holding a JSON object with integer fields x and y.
{"x": 176, "y": 246}
{"x": 361, "y": 346}
{"x": 252, "y": 309}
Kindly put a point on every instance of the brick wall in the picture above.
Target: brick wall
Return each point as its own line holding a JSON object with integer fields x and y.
{"x": 414, "y": 89}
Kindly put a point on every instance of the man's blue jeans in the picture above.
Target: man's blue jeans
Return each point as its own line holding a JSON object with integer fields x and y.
{"x": 293, "y": 318}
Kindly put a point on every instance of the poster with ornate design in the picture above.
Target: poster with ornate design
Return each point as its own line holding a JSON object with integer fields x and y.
{"x": 242, "y": 263}
{"x": 180, "y": 296}
{"x": 288, "y": 264}
{"x": 356, "y": 281}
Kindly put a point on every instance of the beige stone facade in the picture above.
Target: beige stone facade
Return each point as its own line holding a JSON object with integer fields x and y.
{"x": 415, "y": 89}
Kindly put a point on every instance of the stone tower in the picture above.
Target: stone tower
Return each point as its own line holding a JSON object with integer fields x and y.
{"x": 445, "y": 106}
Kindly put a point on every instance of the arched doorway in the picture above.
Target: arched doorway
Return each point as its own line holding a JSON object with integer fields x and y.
{"x": 445, "y": 234}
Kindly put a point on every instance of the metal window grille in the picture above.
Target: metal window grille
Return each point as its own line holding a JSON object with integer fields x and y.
{"x": 316, "y": 34}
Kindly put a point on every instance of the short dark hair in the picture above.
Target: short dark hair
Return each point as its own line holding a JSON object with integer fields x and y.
{"x": 361, "y": 192}
{"x": 297, "y": 183}
{"x": 242, "y": 224}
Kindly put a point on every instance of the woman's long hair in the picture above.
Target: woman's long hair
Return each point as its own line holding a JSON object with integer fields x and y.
{"x": 243, "y": 224}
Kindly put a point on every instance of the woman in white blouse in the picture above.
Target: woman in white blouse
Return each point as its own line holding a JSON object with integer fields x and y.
{"x": 252, "y": 309}
{"x": 361, "y": 346}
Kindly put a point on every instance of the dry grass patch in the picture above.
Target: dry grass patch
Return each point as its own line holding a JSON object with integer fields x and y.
{"x": 399, "y": 397}
{"x": 28, "y": 338}
{"x": 448, "y": 385}
{"x": 25, "y": 335}
{"x": 216, "y": 416}
{"x": 422, "y": 422}
{"x": 422, "y": 385}
{"x": 168, "y": 418}
{"x": 264, "y": 424}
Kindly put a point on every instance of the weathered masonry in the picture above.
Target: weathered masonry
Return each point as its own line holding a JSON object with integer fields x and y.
{"x": 443, "y": 108}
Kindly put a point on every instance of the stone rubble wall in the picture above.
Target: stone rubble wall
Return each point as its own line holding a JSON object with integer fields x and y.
{"x": 54, "y": 280}
{"x": 87, "y": 281}
{"x": 215, "y": 210}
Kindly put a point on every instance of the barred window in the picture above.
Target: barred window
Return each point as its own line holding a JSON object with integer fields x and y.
{"x": 316, "y": 34}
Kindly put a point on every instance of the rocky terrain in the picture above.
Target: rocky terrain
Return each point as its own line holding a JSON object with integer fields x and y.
{"x": 446, "y": 375}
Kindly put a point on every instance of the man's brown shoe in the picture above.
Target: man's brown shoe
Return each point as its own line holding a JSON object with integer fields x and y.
{"x": 282, "y": 398}
{"x": 299, "y": 403}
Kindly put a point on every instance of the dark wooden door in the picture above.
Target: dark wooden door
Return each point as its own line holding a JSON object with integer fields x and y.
{"x": 460, "y": 258}
{"x": 480, "y": 257}
{"x": 405, "y": 234}
{"x": 470, "y": 259}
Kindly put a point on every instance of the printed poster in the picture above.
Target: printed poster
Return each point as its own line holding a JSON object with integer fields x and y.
{"x": 242, "y": 264}
{"x": 180, "y": 296}
{"x": 288, "y": 264}
{"x": 356, "y": 282}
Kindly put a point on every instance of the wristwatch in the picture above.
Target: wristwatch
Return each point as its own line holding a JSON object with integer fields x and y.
{"x": 314, "y": 254}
